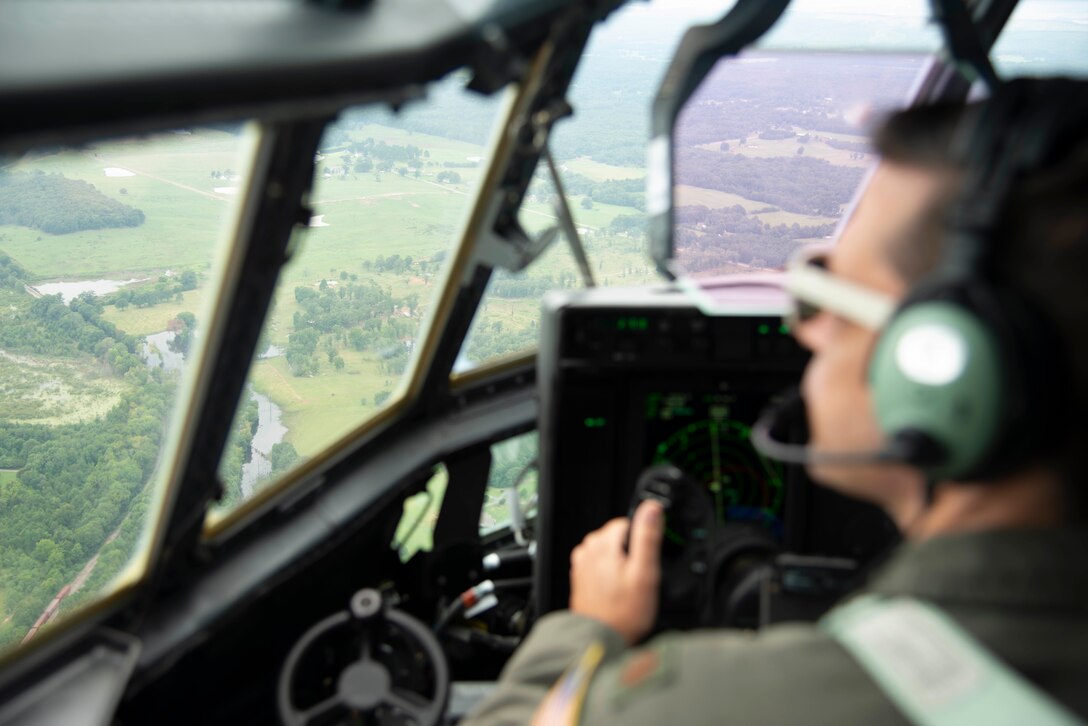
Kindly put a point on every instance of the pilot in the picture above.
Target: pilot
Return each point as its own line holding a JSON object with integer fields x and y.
{"x": 981, "y": 615}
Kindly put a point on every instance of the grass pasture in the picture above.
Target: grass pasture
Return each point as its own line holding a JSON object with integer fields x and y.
{"x": 713, "y": 199}
{"x": 145, "y": 321}
{"x": 184, "y": 217}
{"x": 597, "y": 171}
{"x": 440, "y": 149}
{"x": 535, "y": 217}
{"x": 758, "y": 148}
{"x": 318, "y": 410}
{"x": 8, "y": 475}
{"x": 686, "y": 195}
{"x": 788, "y": 218}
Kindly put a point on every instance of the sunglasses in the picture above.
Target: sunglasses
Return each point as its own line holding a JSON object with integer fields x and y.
{"x": 814, "y": 289}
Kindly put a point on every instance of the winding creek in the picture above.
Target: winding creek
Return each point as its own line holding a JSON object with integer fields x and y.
{"x": 270, "y": 429}
{"x": 156, "y": 353}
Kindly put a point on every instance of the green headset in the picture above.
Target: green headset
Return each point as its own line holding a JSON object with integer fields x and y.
{"x": 967, "y": 375}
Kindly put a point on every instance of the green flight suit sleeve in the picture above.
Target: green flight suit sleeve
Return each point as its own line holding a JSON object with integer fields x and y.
{"x": 786, "y": 674}
{"x": 556, "y": 642}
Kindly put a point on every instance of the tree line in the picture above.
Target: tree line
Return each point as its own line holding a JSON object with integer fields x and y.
{"x": 12, "y": 275}
{"x": 55, "y": 204}
{"x": 145, "y": 296}
{"x": 706, "y": 239}
{"x": 46, "y": 326}
{"x": 519, "y": 284}
{"x": 620, "y": 192}
{"x": 796, "y": 184}
{"x": 491, "y": 340}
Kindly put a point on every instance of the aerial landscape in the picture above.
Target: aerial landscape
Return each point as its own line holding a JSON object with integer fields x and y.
{"x": 111, "y": 255}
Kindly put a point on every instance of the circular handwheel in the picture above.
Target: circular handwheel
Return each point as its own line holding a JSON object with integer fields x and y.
{"x": 397, "y": 674}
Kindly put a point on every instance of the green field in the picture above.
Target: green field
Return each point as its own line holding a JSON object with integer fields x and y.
{"x": 687, "y": 195}
{"x": 597, "y": 171}
{"x": 767, "y": 148}
{"x": 145, "y": 321}
{"x": 714, "y": 199}
{"x": 171, "y": 184}
{"x": 788, "y": 218}
{"x": 8, "y": 475}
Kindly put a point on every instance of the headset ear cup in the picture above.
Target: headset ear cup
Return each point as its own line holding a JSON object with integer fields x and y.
{"x": 937, "y": 373}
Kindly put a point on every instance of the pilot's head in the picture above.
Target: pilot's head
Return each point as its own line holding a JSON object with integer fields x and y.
{"x": 902, "y": 234}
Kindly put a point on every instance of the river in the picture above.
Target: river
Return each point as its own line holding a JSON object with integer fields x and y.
{"x": 270, "y": 429}
{"x": 157, "y": 354}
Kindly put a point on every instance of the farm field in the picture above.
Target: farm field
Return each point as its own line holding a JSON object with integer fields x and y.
{"x": 597, "y": 171}
{"x": 814, "y": 148}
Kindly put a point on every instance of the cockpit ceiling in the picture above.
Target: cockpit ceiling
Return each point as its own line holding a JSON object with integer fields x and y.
{"x": 69, "y": 69}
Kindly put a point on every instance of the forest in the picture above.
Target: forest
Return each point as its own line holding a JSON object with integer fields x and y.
{"x": 237, "y": 453}
{"x": 79, "y": 489}
{"x": 813, "y": 91}
{"x": 55, "y": 204}
{"x": 363, "y": 315}
{"x": 76, "y": 483}
{"x": 46, "y": 326}
{"x": 705, "y": 238}
{"x": 796, "y": 184}
{"x": 163, "y": 289}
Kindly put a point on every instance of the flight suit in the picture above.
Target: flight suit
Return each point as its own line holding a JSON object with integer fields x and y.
{"x": 1023, "y": 594}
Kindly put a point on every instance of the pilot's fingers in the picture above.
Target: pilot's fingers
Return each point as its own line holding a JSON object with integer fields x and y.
{"x": 647, "y": 529}
{"x": 608, "y": 537}
{"x": 610, "y": 534}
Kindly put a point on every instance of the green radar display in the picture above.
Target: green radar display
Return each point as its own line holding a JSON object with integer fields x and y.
{"x": 699, "y": 433}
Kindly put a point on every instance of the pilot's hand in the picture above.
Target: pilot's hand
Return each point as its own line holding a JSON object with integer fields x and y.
{"x": 620, "y": 589}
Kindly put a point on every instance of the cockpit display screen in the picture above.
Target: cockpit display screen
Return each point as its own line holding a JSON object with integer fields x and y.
{"x": 706, "y": 434}
{"x": 629, "y": 386}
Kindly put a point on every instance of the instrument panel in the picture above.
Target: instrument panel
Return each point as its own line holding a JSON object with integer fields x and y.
{"x": 630, "y": 379}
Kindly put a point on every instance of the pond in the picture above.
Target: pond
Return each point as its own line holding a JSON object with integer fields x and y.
{"x": 73, "y": 289}
{"x": 157, "y": 354}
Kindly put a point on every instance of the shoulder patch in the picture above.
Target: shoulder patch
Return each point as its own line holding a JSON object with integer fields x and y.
{"x": 640, "y": 667}
{"x": 563, "y": 704}
{"x": 649, "y": 668}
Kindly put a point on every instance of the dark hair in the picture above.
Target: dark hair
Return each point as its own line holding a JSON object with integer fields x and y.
{"x": 1041, "y": 240}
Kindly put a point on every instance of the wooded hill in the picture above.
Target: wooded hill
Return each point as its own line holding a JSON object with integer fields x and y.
{"x": 55, "y": 204}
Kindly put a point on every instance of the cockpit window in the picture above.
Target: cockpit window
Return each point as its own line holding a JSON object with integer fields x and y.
{"x": 390, "y": 191}
{"x": 772, "y": 147}
{"x": 738, "y": 143}
{"x": 510, "y": 500}
{"x": 770, "y": 150}
{"x": 600, "y": 157}
{"x": 106, "y": 277}
{"x": 1043, "y": 37}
